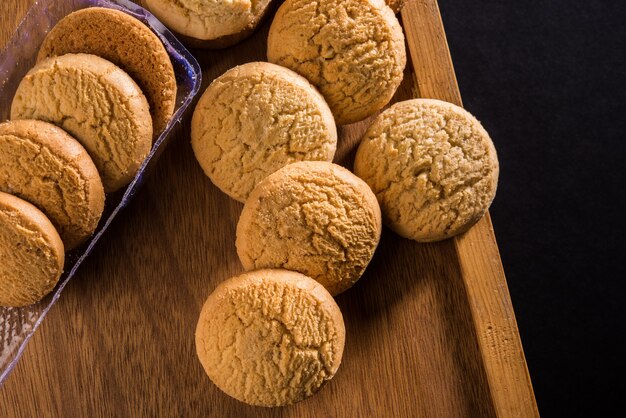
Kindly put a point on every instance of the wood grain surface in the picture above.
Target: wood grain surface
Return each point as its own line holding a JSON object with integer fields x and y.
{"x": 430, "y": 327}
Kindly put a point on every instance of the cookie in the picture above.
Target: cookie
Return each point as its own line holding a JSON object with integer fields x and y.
{"x": 432, "y": 166}
{"x": 270, "y": 337}
{"x": 47, "y": 167}
{"x": 98, "y": 104}
{"x": 256, "y": 119}
{"x": 351, "y": 50}
{"x": 316, "y": 218}
{"x": 210, "y": 24}
{"x": 31, "y": 251}
{"x": 395, "y": 5}
{"x": 126, "y": 42}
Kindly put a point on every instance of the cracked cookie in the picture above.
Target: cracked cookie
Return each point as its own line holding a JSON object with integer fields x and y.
{"x": 270, "y": 337}
{"x": 210, "y": 23}
{"x": 44, "y": 165}
{"x": 313, "y": 217}
{"x": 256, "y": 119}
{"x": 31, "y": 252}
{"x": 98, "y": 104}
{"x": 127, "y": 43}
{"x": 351, "y": 50}
{"x": 432, "y": 166}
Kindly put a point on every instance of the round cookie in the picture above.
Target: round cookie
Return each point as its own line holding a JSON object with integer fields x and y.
{"x": 313, "y": 217}
{"x": 31, "y": 252}
{"x": 256, "y": 119}
{"x": 351, "y": 50}
{"x": 97, "y": 103}
{"x": 127, "y": 43}
{"x": 432, "y": 166}
{"x": 47, "y": 167}
{"x": 210, "y": 24}
{"x": 270, "y": 337}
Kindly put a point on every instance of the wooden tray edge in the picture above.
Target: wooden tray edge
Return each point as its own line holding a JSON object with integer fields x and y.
{"x": 479, "y": 259}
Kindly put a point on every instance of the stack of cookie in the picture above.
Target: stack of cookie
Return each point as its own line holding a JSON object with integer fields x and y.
{"x": 83, "y": 121}
{"x": 266, "y": 134}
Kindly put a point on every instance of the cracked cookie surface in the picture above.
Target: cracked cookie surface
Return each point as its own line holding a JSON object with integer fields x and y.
{"x": 316, "y": 218}
{"x": 351, "y": 50}
{"x": 126, "y": 42}
{"x": 31, "y": 251}
{"x": 256, "y": 119}
{"x": 208, "y": 19}
{"x": 98, "y": 104}
{"x": 433, "y": 167}
{"x": 42, "y": 164}
{"x": 270, "y": 337}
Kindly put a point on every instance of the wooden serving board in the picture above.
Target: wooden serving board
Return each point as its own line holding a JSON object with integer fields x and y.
{"x": 430, "y": 327}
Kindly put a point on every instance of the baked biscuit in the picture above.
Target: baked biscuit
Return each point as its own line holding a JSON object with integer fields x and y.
{"x": 98, "y": 104}
{"x": 210, "y": 24}
{"x": 432, "y": 166}
{"x": 270, "y": 337}
{"x": 316, "y": 218}
{"x": 351, "y": 50}
{"x": 256, "y": 119}
{"x": 127, "y": 43}
{"x": 44, "y": 165}
{"x": 31, "y": 252}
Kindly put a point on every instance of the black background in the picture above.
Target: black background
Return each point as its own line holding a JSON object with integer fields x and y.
{"x": 548, "y": 81}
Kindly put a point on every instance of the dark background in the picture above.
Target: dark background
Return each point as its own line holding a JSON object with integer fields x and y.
{"x": 548, "y": 81}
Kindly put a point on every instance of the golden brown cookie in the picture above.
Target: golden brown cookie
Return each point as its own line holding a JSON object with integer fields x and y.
{"x": 313, "y": 217}
{"x": 351, "y": 50}
{"x": 256, "y": 119}
{"x": 47, "y": 167}
{"x": 432, "y": 166}
{"x": 396, "y": 5}
{"x": 211, "y": 24}
{"x": 127, "y": 43}
{"x": 31, "y": 253}
{"x": 98, "y": 104}
{"x": 270, "y": 337}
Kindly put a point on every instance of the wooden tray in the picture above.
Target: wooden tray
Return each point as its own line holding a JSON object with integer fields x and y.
{"x": 430, "y": 328}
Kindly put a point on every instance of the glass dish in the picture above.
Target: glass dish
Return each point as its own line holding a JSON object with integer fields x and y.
{"x": 17, "y": 325}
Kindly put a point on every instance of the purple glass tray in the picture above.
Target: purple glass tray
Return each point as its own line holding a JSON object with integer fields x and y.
{"x": 17, "y": 325}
